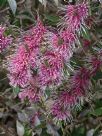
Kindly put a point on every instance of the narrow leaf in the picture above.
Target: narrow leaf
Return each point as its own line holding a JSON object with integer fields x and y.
{"x": 56, "y": 1}
{"x": 43, "y": 2}
{"x": 85, "y": 33}
{"x": 20, "y": 129}
{"x": 13, "y": 5}
{"x": 97, "y": 112}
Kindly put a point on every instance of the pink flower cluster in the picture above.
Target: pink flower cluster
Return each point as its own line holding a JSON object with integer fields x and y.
{"x": 75, "y": 16}
{"x": 31, "y": 93}
{"x": 4, "y": 40}
{"x": 94, "y": 62}
{"x": 50, "y": 69}
{"x": 43, "y": 57}
{"x": 24, "y": 62}
{"x": 79, "y": 83}
{"x": 18, "y": 67}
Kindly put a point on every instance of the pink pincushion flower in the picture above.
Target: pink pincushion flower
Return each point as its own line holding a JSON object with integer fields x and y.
{"x": 18, "y": 67}
{"x": 19, "y": 60}
{"x": 4, "y": 40}
{"x": 35, "y": 38}
{"x": 60, "y": 44}
{"x": 19, "y": 79}
{"x": 51, "y": 42}
{"x": 86, "y": 42}
{"x": 81, "y": 79}
{"x": 67, "y": 99}
{"x": 39, "y": 28}
{"x": 66, "y": 48}
{"x": 26, "y": 57}
{"x": 75, "y": 16}
{"x": 78, "y": 92}
{"x": 94, "y": 63}
{"x": 50, "y": 70}
{"x": 30, "y": 93}
{"x": 68, "y": 37}
{"x": 53, "y": 59}
{"x": 66, "y": 52}
{"x": 54, "y": 40}
{"x": 49, "y": 76}
{"x": 33, "y": 61}
{"x": 59, "y": 112}
{"x": 82, "y": 10}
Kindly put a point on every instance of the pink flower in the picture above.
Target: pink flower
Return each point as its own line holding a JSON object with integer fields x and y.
{"x": 33, "y": 61}
{"x": 19, "y": 79}
{"x": 53, "y": 59}
{"x": 29, "y": 93}
{"x": 34, "y": 39}
{"x": 60, "y": 44}
{"x": 66, "y": 48}
{"x": 78, "y": 92}
{"x": 4, "y": 40}
{"x": 51, "y": 39}
{"x": 66, "y": 52}
{"x": 86, "y": 42}
{"x": 94, "y": 63}
{"x": 68, "y": 37}
{"x": 19, "y": 60}
{"x": 50, "y": 69}
{"x": 75, "y": 16}
{"x": 67, "y": 99}
{"x": 18, "y": 68}
{"x": 81, "y": 79}
{"x": 59, "y": 112}
{"x": 26, "y": 57}
{"x": 49, "y": 76}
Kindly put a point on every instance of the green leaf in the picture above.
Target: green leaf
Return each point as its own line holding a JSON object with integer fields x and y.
{"x": 97, "y": 112}
{"x": 85, "y": 33}
{"x": 16, "y": 90}
{"x": 44, "y": 133}
{"x": 98, "y": 76}
{"x": 48, "y": 91}
{"x": 26, "y": 17}
{"x": 80, "y": 131}
{"x": 52, "y": 19}
{"x": 13, "y": 5}
{"x": 2, "y": 3}
{"x": 20, "y": 128}
{"x": 98, "y": 103}
{"x": 43, "y": 2}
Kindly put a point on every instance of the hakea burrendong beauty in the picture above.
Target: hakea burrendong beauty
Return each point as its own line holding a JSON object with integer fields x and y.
{"x": 31, "y": 93}
{"x": 75, "y": 16}
{"x": 4, "y": 40}
{"x": 42, "y": 62}
{"x": 94, "y": 62}
{"x": 19, "y": 74}
{"x": 67, "y": 100}
{"x": 24, "y": 58}
{"x": 50, "y": 69}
